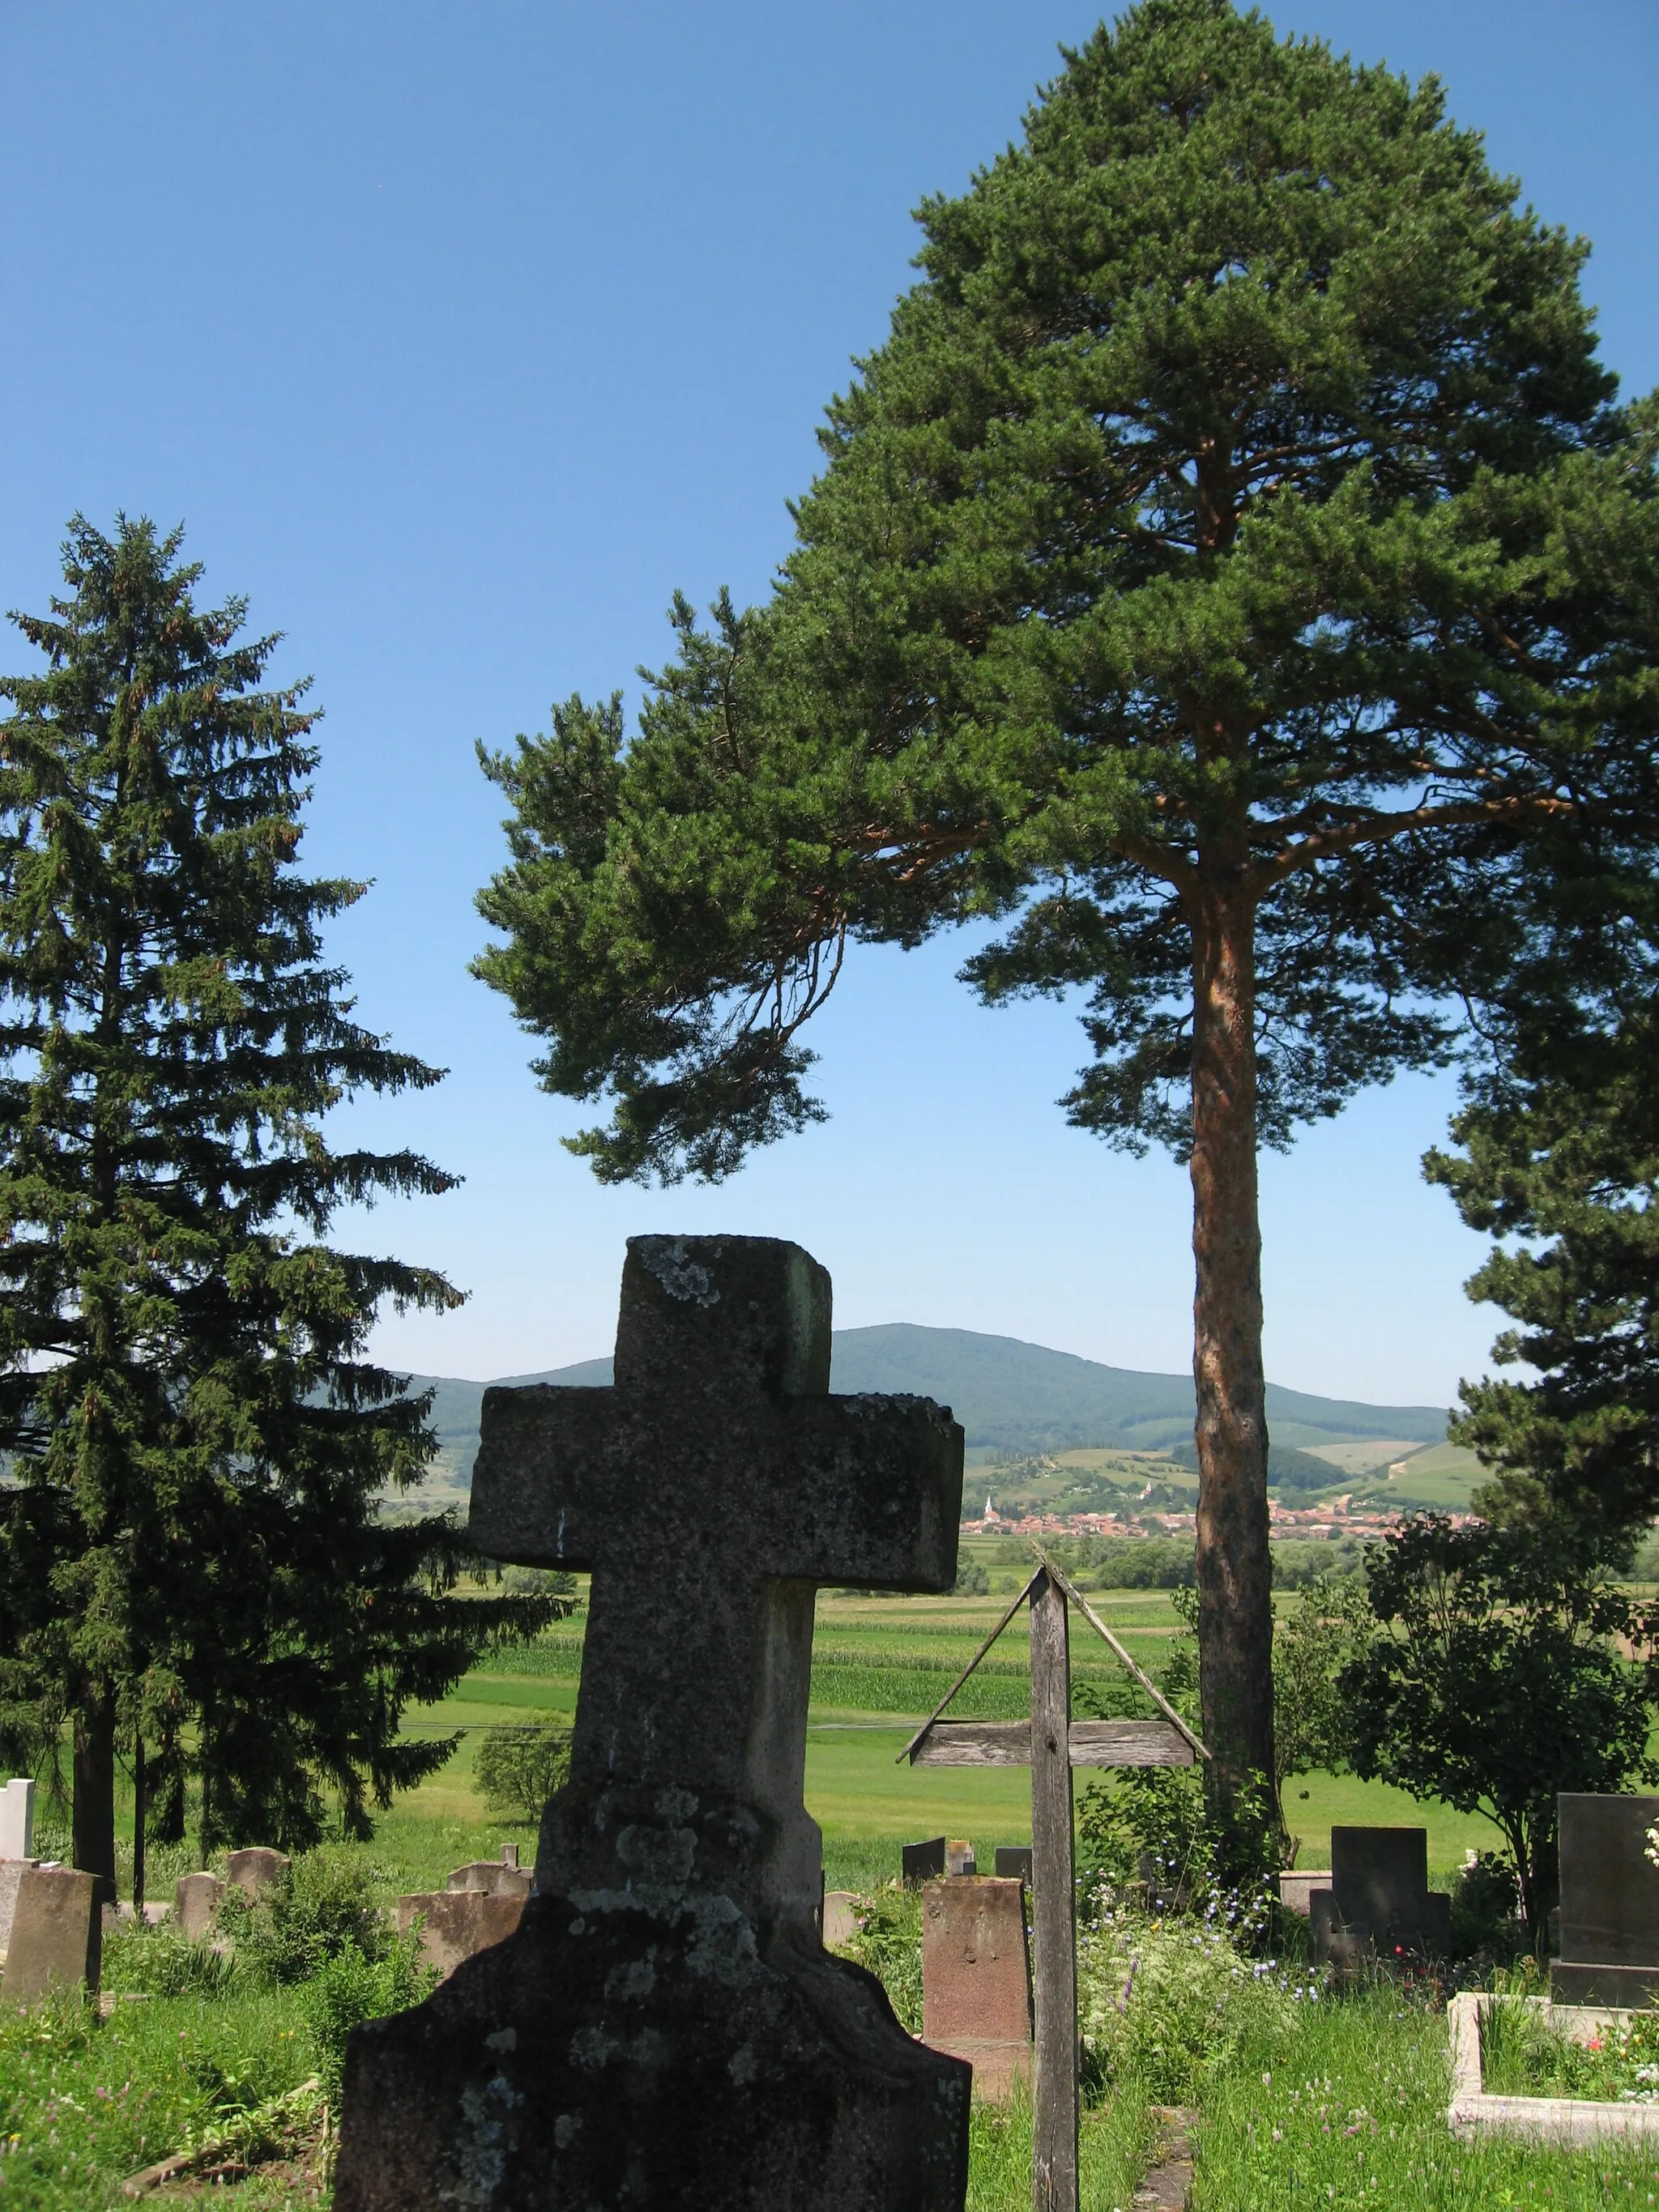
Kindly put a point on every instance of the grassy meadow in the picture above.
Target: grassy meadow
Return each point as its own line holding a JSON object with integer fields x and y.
{"x": 1300, "y": 2097}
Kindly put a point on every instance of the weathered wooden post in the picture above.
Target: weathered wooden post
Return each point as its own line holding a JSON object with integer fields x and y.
{"x": 1053, "y": 1908}
{"x": 1051, "y": 1744}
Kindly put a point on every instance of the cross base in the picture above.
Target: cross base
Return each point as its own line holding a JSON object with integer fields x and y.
{"x": 614, "y": 2054}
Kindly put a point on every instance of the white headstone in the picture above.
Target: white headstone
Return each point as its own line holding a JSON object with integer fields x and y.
{"x": 17, "y": 1819}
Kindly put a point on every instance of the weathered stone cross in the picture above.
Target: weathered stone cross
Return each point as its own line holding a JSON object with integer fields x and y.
{"x": 665, "y": 2028}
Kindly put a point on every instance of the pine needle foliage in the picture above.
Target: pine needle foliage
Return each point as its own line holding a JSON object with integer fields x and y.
{"x": 194, "y": 1568}
{"x": 1232, "y": 560}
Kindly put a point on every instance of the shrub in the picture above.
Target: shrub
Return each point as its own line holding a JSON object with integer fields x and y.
{"x": 350, "y": 1988}
{"x": 161, "y": 1962}
{"x": 325, "y": 1905}
{"x": 518, "y": 1769}
{"x": 889, "y": 1945}
{"x": 1486, "y": 1908}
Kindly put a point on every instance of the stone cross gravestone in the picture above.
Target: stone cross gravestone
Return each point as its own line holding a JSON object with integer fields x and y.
{"x": 1609, "y": 1902}
{"x": 665, "y": 2028}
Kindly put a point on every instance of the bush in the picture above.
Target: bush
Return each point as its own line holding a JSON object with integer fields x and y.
{"x": 1486, "y": 1909}
{"x": 972, "y": 1580}
{"x": 350, "y": 1988}
{"x": 518, "y": 1769}
{"x": 325, "y": 1905}
{"x": 889, "y": 1945}
{"x": 161, "y": 1962}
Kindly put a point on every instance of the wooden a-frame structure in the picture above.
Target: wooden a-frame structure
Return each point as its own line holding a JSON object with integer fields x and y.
{"x": 1051, "y": 1743}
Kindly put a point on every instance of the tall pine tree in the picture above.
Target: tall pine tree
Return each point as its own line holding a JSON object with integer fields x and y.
{"x": 195, "y": 1569}
{"x": 1230, "y": 559}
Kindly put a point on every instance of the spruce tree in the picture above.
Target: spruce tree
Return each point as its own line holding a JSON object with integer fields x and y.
{"x": 195, "y": 1567}
{"x": 1231, "y": 559}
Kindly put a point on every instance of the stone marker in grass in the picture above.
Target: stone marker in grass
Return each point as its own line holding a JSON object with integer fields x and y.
{"x": 17, "y": 1819}
{"x": 665, "y": 2029}
{"x": 1379, "y": 1905}
{"x": 56, "y": 1935}
{"x": 456, "y": 1925}
{"x": 1609, "y": 1902}
{"x": 976, "y": 1977}
{"x": 253, "y": 1870}
{"x": 196, "y": 1901}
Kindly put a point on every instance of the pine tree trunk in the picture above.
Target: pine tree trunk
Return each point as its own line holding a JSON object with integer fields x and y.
{"x": 1235, "y": 1606}
{"x": 94, "y": 1792}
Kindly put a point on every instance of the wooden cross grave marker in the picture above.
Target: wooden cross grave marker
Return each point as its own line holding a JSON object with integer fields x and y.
{"x": 1051, "y": 1744}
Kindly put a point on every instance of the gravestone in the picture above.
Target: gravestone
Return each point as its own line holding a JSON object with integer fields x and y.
{"x": 665, "y": 2029}
{"x": 17, "y": 1819}
{"x": 196, "y": 1901}
{"x": 457, "y": 1923}
{"x": 253, "y": 1870}
{"x": 1013, "y": 1863}
{"x": 976, "y": 1977}
{"x": 1609, "y": 1903}
{"x": 840, "y": 1920}
{"x": 56, "y": 1935}
{"x": 1379, "y": 1905}
{"x": 920, "y": 1862}
{"x": 11, "y": 1873}
{"x": 493, "y": 1875}
{"x": 959, "y": 1857}
{"x": 1297, "y": 1884}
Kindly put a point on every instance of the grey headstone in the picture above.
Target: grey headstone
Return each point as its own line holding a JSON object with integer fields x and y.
{"x": 1379, "y": 1898}
{"x": 1609, "y": 1902}
{"x": 254, "y": 1869}
{"x": 665, "y": 2028}
{"x": 56, "y": 1935}
{"x": 959, "y": 1857}
{"x": 510, "y": 1856}
{"x": 11, "y": 1873}
{"x": 493, "y": 1876}
{"x": 1013, "y": 1863}
{"x": 921, "y": 1863}
{"x": 1296, "y": 1885}
{"x": 196, "y": 1900}
{"x": 17, "y": 1819}
{"x": 456, "y": 1925}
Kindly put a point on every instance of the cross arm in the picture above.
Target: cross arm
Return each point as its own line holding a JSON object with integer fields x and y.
{"x": 872, "y": 1493}
{"x": 546, "y": 1464}
{"x": 1090, "y": 1743}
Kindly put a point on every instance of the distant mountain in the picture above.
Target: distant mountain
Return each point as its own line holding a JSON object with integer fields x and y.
{"x": 1010, "y": 1397}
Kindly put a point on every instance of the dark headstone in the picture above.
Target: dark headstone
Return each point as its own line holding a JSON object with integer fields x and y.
{"x": 56, "y": 1935}
{"x": 921, "y": 1863}
{"x": 1609, "y": 1903}
{"x": 665, "y": 2029}
{"x": 1013, "y": 1863}
{"x": 976, "y": 1977}
{"x": 1379, "y": 1903}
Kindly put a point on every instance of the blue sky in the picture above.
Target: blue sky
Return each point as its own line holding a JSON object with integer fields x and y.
{"x": 459, "y": 337}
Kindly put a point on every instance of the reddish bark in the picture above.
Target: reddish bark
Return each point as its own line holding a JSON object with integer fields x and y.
{"x": 1235, "y": 1606}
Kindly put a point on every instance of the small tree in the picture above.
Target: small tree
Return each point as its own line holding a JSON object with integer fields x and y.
{"x": 1314, "y": 1641}
{"x": 194, "y": 1563}
{"x": 1496, "y": 1681}
{"x": 518, "y": 1769}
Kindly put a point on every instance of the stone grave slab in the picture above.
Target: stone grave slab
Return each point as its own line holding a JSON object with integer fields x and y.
{"x": 493, "y": 1876}
{"x": 17, "y": 1819}
{"x": 1379, "y": 1905}
{"x": 921, "y": 1863}
{"x": 56, "y": 1935}
{"x": 196, "y": 1900}
{"x": 665, "y": 2029}
{"x": 976, "y": 1977}
{"x": 1297, "y": 1885}
{"x": 840, "y": 1922}
{"x": 11, "y": 1873}
{"x": 1013, "y": 1863}
{"x": 959, "y": 1857}
{"x": 457, "y": 1923}
{"x": 1609, "y": 1903}
{"x": 255, "y": 1870}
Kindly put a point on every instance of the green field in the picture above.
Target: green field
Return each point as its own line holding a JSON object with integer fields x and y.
{"x": 881, "y": 1666}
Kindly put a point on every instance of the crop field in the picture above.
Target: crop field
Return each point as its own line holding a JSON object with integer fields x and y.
{"x": 880, "y": 1665}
